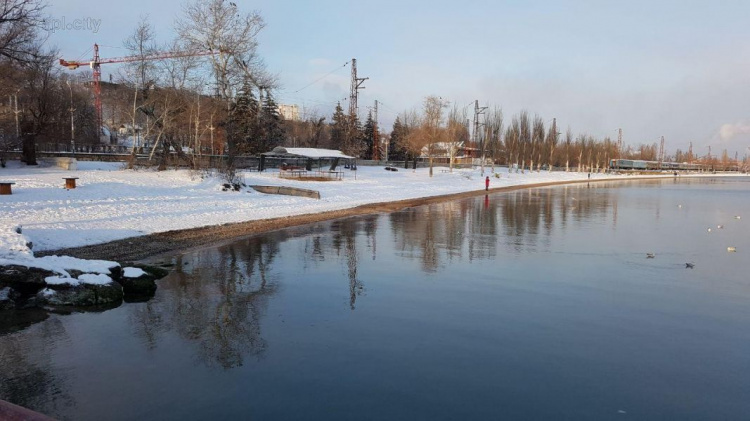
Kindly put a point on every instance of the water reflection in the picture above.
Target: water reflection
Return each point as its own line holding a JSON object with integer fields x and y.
{"x": 28, "y": 376}
{"x": 486, "y": 227}
{"x": 215, "y": 299}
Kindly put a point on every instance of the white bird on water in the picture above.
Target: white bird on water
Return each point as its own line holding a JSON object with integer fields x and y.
{"x": 650, "y": 255}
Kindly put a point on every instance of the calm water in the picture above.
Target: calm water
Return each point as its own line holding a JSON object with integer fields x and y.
{"x": 536, "y": 304}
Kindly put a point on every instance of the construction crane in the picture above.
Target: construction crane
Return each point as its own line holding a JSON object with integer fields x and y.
{"x": 97, "y": 61}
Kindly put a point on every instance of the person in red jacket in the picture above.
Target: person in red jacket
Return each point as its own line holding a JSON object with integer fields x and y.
{"x": 487, "y": 183}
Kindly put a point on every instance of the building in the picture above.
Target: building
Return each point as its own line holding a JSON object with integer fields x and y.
{"x": 289, "y": 112}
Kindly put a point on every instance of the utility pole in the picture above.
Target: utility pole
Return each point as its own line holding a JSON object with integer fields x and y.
{"x": 72, "y": 127}
{"x": 356, "y": 85}
{"x": 477, "y": 112}
{"x": 376, "y": 138}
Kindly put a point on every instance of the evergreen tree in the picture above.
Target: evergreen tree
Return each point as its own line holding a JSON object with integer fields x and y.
{"x": 272, "y": 131}
{"x": 243, "y": 121}
{"x": 339, "y": 128}
{"x": 369, "y": 138}
{"x": 354, "y": 143}
{"x": 397, "y": 147}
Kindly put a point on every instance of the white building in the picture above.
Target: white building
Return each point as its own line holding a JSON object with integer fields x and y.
{"x": 289, "y": 112}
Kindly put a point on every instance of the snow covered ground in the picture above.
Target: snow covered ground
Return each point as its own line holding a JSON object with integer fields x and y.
{"x": 112, "y": 203}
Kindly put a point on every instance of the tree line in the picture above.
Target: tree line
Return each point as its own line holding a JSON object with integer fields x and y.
{"x": 222, "y": 102}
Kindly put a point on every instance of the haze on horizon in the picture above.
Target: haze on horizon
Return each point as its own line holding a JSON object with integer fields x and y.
{"x": 669, "y": 68}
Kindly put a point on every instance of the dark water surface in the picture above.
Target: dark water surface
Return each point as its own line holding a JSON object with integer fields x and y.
{"x": 535, "y": 304}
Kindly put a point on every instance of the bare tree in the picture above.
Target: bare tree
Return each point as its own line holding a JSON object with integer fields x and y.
{"x": 537, "y": 142}
{"x": 41, "y": 94}
{"x": 524, "y": 137}
{"x": 413, "y": 139}
{"x": 511, "y": 144}
{"x": 432, "y": 125}
{"x": 219, "y": 26}
{"x": 568, "y": 148}
{"x": 494, "y": 130}
{"x": 552, "y": 143}
{"x": 20, "y": 21}
{"x": 456, "y": 133}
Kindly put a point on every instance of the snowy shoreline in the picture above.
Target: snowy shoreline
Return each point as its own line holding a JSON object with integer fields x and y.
{"x": 111, "y": 203}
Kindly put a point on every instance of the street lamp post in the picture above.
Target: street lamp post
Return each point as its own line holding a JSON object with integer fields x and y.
{"x": 72, "y": 125}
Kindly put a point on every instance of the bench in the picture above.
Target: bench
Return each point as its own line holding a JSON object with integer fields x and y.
{"x": 70, "y": 182}
{"x": 338, "y": 175}
{"x": 65, "y": 163}
{"x": 292, "y": 173}
{"x": 5, "y": 187}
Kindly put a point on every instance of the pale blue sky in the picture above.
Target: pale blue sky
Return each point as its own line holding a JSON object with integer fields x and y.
{"x": 680, "y": 69}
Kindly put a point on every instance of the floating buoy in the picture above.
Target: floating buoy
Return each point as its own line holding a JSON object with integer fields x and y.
{"x": 720, "y": 226}
{"x": 709, "y": 230}
{"x": 650, "y": 255}
{"x": 731, "y": 249}
{"x": 679, "y": 206}
{"x": 737, "y": 217}
{"x": 689, "y": 265}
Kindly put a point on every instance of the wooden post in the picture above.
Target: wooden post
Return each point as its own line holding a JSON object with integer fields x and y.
{"x": 5, "y": 187}
{"x": 70, "y": 182}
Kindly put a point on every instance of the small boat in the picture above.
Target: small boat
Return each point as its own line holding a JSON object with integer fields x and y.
{"x": 650, "y": 255}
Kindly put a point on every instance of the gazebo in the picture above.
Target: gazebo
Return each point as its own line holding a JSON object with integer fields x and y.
{"x": 291, "y": 157}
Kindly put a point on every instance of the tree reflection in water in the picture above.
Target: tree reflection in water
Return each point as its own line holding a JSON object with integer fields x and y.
{"x": 216, "y": 299}
{"x": 477, "y": 229}
{"x": 344, "y": 244}
{"x": 28, "y": 376}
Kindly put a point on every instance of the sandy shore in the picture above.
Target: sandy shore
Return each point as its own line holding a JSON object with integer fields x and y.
{"x": 172, "y": 242}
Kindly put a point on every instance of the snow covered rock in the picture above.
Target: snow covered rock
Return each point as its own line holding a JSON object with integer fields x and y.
{"x": 86, "y": 290}
{"x": 23, "y": 279}
{"x": 140, "y": 281}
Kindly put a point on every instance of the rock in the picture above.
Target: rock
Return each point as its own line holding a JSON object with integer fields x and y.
{"x": 115, "y": 272}
{"x": 77, "y": 295}
{"x": 141, "y": 285}
{"x": 22, "y": 279}
{"x": 8, "y": 298}
{"x": 144, "y": 281}
{"x": 82, "y": 295}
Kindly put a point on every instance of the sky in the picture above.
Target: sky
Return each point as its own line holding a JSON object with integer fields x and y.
{"x": 672, "y": 68}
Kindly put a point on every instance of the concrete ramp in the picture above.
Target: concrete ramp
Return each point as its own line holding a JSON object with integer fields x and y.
{"x": 288, "y": 191}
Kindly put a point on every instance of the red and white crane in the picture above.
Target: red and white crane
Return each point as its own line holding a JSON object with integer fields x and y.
{"x": 96, "y": 63}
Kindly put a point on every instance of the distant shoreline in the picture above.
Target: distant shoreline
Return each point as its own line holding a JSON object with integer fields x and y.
{"x": 157, "y": 245}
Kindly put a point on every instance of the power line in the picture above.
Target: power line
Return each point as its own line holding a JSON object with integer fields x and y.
{"x": 321, "y": 78}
